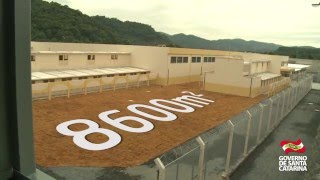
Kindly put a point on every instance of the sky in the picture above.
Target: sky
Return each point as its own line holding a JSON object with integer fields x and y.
{"x": 285, "y": 22}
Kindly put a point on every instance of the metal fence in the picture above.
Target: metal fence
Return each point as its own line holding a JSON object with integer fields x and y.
{"x": 219, "y": 151}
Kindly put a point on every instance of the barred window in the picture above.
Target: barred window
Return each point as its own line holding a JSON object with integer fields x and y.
{"x": 196, "y": 60}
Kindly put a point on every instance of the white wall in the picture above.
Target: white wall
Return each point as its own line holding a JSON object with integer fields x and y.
{"x": 147, "y": 57}
{"x": 155, "y": 59}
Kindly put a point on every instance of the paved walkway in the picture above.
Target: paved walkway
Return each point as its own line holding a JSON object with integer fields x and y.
{"x": 303, "y": 122}
{"x": 316, "y": 86}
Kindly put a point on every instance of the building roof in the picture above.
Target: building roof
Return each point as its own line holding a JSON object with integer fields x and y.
{"x": 298, "y": 67}
{"x": 46, "y": 75}
{"x": 266, "y": 76}
{"x": 79, "y": 52}
{"x": 259, "y": 61}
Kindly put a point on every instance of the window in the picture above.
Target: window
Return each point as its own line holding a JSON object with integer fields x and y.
{"x": 179, "y": 59}
{"x": 173, "y": 59}
{"x": 33, "y": 58}
{"x": 185, "y": 59}
{"x": 196, "y": 60}
{"x": 66, "y": 79}
{"x": 284, "y": 63}
{"x": 114, "y": 56}
{"x": 209, "y": 59}
{"x": 63, "y": 57}
{"x": 91, "y": 57}
{"x": 80, "y": 78}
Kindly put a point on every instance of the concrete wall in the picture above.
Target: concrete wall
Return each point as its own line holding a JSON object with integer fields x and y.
{"x": 151, "y": 58}
{"x": 275, "y": 60}
{"x": 155, "y": 59}
{"x": 191, "y": 72}
{"x": 45, "y": 62}
{"x": 228, "y": 78}
{"x": 147, "y": 57}
{"x": 51, "y": 61}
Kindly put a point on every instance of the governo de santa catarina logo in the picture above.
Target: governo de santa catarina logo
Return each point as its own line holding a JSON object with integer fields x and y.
{"x": 293, "y": 163}
{"x": 291, "y": 146}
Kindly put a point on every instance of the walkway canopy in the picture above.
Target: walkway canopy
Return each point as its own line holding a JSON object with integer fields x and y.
{"x": 81, "y": 73}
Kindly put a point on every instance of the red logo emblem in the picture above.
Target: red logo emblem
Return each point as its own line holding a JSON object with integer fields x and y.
{"x": 291, "y": 146}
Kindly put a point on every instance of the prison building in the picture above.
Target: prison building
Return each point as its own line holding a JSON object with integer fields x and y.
{"x": 81, "y": 68}
{"x": 244, "y": 77}
{"x": 294, "y": 71}
{"x": 314, "y": 67}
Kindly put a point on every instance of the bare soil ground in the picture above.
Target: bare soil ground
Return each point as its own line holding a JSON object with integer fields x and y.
{"x": 55, "y": 149}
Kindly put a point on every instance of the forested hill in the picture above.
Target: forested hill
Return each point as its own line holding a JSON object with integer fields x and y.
{"x": 192, "y": 41}
{"x": 299, "y": 52}
{"x": 52, "y": 22}
{"x": 56, "y": 23}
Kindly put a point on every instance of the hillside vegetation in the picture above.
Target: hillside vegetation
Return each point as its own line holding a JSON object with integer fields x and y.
{"x": 192, "y": 41}
{"x": 299, "y": 52}
{"x": 53, "y": 22}
{"x": 56, "y": 23}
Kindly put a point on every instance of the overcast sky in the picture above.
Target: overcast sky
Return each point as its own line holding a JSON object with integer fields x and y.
{"x": 285, "y": 22}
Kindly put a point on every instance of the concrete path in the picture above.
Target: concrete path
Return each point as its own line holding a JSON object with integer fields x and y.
{"x": 303, "y": 122}
{"x": 316, "y": 86}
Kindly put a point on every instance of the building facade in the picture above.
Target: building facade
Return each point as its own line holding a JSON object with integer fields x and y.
{"x": 69, "y": 67}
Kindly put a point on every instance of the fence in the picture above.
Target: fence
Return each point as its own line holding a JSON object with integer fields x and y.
{"x": 278, "y": 86}
{"x": 218, "y": 152}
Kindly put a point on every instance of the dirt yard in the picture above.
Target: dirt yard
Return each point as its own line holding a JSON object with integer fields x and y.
{"x": 55, "y": 149}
